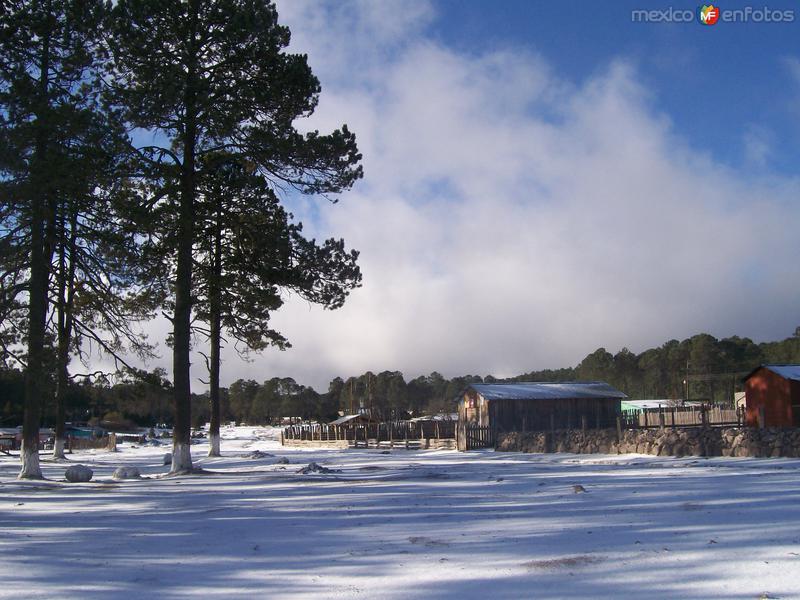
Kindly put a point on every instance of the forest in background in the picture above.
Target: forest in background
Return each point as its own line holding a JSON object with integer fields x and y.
{"x": 713, "y": 367}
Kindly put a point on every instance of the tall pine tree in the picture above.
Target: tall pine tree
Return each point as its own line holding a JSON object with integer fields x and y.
{"x": 209, "y": 76}
{"x": 249, "y": 255}
{"x": 47, "y": 64}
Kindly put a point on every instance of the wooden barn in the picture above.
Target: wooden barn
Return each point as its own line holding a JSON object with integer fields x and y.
{"x": 772, "y": 395}
{"x": 540, "y": 406}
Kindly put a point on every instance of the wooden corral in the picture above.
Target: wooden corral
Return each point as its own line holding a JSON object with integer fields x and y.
{"x": 395, "y": 434}
{"x": 506, "y": 407}
{"x": 773, "y": 396}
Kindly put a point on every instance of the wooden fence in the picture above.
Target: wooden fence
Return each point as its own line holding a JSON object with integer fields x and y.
{"x": 8, "y": 443}
{"x": 75, "y": 443}
{"x": 471, "y": 437}
{"x": 682, "y": 416}
{"x": 392, "y": 432}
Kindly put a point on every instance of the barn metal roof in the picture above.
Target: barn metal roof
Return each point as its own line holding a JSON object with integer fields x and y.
{"x": 348, "y": 418}
{"x": 785, "y": 371}
{"x": 344, "y": 419}
{"x": 546, "y": 390}
{"x": 645, "y": 404}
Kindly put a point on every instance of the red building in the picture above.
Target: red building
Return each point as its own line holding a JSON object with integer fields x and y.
{"x": 773, "y": 391}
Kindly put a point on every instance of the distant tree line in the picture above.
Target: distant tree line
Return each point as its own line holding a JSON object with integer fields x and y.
{"x": 713, "y": 368}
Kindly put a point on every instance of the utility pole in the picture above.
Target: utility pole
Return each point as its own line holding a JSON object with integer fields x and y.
{"x": 686, "y": 381}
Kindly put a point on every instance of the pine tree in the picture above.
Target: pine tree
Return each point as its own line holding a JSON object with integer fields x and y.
{"x": 249, "y": 255}
{"x": 97, "y": 289}
{"x": 46, "y": 61}
{"x": 212, "y": 76}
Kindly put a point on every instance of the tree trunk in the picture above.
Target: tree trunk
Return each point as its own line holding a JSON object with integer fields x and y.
{"x": 34, "y": 374}
{"x": 181, "y": 365}
{"x": 38, "y": 300}
{"x": 215, "y": 338}
{"x": 213, "y": 433}
{"x": 66, "y": 292}
{"x": 181, "y": 433}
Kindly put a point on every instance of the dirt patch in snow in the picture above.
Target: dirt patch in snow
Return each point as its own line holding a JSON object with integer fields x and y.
{"x": 256, "y": 454}
{"x": 315, "y": 468}
{"x": 565, "y": 562}
{"x": 426, "y": 541}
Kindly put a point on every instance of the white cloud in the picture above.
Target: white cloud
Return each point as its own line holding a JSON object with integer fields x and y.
{"x": 511, "y": 220}
{"x": 793, "y": 66}
{"x": 757, "y": 145}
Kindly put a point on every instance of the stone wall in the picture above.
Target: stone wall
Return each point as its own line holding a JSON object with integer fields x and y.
{"x": 694, "y": 441}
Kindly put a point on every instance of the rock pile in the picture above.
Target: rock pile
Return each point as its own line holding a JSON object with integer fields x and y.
{"x": 78, "y": 474}
{"x": 126, "y": 473}
{"x": 315, "y": 468}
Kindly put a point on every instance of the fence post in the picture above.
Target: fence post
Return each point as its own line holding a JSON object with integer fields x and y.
{"x": 762, "y": 417}
{"x": 112, "y": 442}
{"x": 583, "y": 423}
{"x": 660, "y": 418}
{"x": 645, "y": 418}
{"x": 674, "y": 412}
{"x": 704, "y": 416}
{"x": 619, "y": 429}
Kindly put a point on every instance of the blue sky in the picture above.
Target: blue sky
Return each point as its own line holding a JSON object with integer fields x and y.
{"x": 712, "y": 81}
{"x": 542, "y": 180}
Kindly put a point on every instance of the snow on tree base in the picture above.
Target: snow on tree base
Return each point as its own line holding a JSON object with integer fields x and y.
{"x": 58, "y": 449}
{"x": 213, "y": 444}
{"x": 181, "y": 459}
{"x": 30, "y": 464}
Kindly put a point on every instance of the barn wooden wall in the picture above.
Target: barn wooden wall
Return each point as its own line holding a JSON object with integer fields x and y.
{"x": 563, "y": 413}
{"x": 776, "y": 395}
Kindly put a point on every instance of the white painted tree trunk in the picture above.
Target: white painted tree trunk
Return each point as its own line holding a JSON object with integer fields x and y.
{"x": 213, "y": 444}
{"x": 58, "y": 448}
{"x": 30, "y": 463}
{"x": 181, "y": 459}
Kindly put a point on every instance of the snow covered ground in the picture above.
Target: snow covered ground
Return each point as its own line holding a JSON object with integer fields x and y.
{"x": 404, "y": 524}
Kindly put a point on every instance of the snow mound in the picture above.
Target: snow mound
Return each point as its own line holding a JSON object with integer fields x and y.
{"x": 315, "y": 468}
{"x": 282, "y": 461}
{"x": 78, "y": 474}
{"x": 126, "y": 473}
